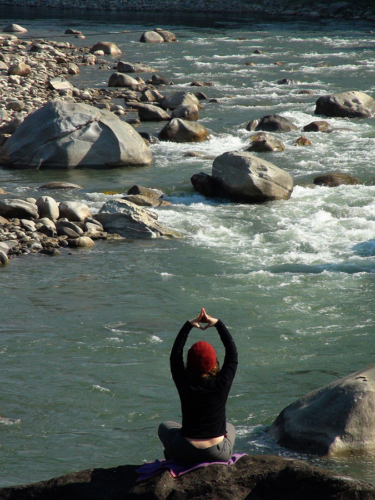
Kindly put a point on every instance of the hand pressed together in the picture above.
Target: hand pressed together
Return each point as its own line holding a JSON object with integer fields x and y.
{"x": 203, "y": 318}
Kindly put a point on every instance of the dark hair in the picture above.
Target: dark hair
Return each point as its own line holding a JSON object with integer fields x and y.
{"x": 193, "y": 375}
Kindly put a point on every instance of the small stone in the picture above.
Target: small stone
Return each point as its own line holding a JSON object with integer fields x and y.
{"x": 59, "y": 185}
{"x": 52, "y": 252}
{"x": 4, "y": 260}
{"x": 81, "y": 242}
{"x": 302, "y": 141}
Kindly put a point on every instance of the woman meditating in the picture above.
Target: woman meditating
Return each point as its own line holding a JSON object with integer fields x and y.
{"x": 204, "y": 436}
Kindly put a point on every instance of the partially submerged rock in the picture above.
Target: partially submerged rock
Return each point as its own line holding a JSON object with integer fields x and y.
{"x": 178, "y": 130}
{"x": 249, "y": 179}
{"x": 59, "y": 185}
{"x": 272, "y": 123}
{"x": 258, "y": 477}
{"x": 126, "y": 67}
{"x": 180, "y": 99}
{"x": 335, "y": 419}
{"x": 318, "y": 126}
{"x": 14, "y": 28}
{"x": 151, "y": 37}
{"x": 335, "y": 179}
{"x": 264, "y": 143}
{"x": 346, "y": 104}
{"x": 122, "y": 80}
{"x": 131, "y": 221}
{"x": 69, "y": 135}
{"x": 108, "y": 48}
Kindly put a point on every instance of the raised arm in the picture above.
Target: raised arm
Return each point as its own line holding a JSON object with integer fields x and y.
{"x": 229, "y": 367}
{"x": 176, "y": 358}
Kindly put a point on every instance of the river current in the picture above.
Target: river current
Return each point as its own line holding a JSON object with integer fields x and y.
{"x": 85, "y": 337}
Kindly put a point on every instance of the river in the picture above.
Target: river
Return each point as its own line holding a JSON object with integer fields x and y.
{"x": 85, "y": 337}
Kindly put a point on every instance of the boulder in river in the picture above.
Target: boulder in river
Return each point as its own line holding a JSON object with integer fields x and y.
{"x": 14, "y": 28}
{"x": 249, "y": 179}
{"x": 68, "y": 135}
{"x": 335, "y": 179}
{"x": 180, "y": 99}
{"x": 259, "y": 477}
{"x": 21, "y": 209}
{"x": 59, "y": 185}
{"x": 206, "y": 185}
{"x": 131, "y": 221}
{"x": 318, "y": 126}
{"x": 167, "y": 36}
{"x": 346, "y": 105}
{"x": 272, "y": 123}
{"x": 150, "y": 112}
{"x": 178, "y": 130}
{"x": 126, "y": 67}
{"x": 188, "y": 112}
{"x": 109, "y": 48}
{"x": 122, "y": 80}
{"x": 81, "y": 242}
{"x": 338, "y": 418}
{"x": 264, "y": 143}
{"x": 151, "y": 37}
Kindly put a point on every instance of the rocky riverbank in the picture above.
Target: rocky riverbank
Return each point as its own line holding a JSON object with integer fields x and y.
{"x": 252, "y": 477}
{"x": 289, "y": 8}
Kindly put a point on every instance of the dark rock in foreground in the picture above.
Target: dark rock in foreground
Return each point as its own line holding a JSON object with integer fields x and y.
{"x": 251, "y": 478}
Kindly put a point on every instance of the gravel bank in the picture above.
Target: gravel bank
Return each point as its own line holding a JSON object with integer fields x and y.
{"x": 364, "y": 10}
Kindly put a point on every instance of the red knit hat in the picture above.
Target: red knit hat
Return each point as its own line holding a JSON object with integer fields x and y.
{"x": 202, "y": 357}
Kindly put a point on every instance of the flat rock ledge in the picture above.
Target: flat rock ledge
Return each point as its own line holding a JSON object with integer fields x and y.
{"x": 251, "y": 478}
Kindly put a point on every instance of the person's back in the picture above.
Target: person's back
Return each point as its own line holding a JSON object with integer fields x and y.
{"x": 203, "y": 389}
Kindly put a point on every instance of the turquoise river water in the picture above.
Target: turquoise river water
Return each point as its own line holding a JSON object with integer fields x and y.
{"x": 85, "y": 337}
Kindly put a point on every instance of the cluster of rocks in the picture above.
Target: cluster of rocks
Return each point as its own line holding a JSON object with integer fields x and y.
{"x": 270, "y": 8}
{"x": 243, "y": 177}
{"x": 34, "y": 72}
{"x": 43, "y": 225}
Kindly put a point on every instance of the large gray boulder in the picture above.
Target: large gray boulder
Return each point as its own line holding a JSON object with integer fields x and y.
{"x": 131, "y": 221}
{"x": 346, "y": 105}
{"x": 249, "y": 179}
{"x": 21, "y": 209}
{"x": 178, "y": 130}
{"x": 337, "y": 418}
{"x": 68, "y": 135}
